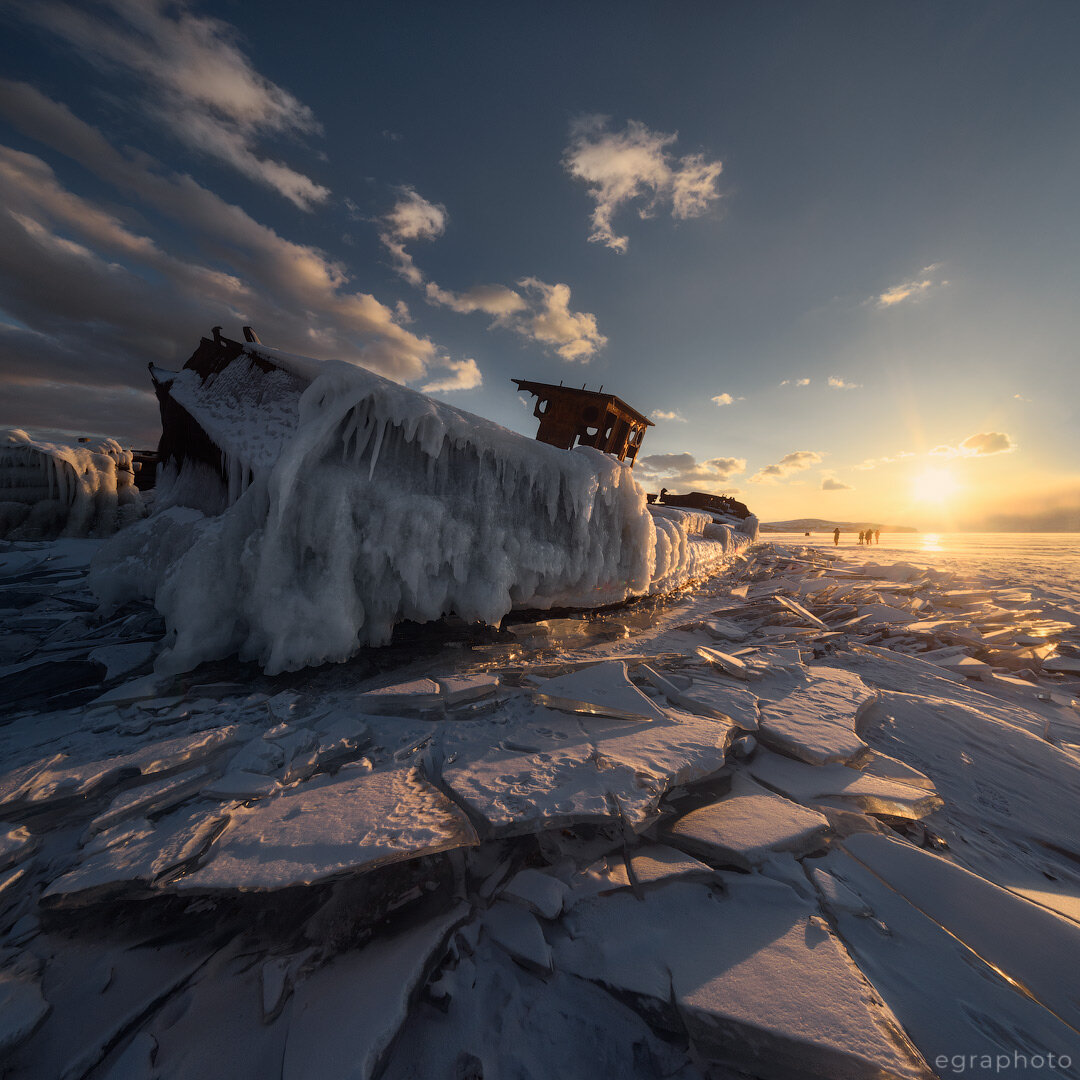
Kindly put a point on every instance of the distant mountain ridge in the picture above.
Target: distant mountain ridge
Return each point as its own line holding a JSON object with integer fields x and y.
{"x": 821, "y": 525}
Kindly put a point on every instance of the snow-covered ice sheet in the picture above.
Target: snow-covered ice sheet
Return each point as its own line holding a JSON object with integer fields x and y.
{"x": 172, "y": 929}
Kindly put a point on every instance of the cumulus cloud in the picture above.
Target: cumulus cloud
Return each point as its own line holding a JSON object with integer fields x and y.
{"x": 837, "y": 383}
{"x": 412, "y": 217}
{"x": 574, "y": 335}
{"x": 635, "y": 166}
{"x": 795, "y": 382}
{"x": 684, "y": 470}
{"x": 830, "y": 483}
{"x": 194, "y": 80}
{"x": 795, "y": 462}
{"x": 464, "y": 375}
{"x": 913, "y": 290}
{"x": 661, "y": 414}
{"x": 723, "y": 399}
{"x": 983, "y": 444}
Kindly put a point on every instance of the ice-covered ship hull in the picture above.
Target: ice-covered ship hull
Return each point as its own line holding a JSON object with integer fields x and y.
{"x": 306, "y": 507}
{"x": 49, "y": 490}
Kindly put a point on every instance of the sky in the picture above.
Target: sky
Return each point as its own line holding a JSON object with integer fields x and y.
{"x": 831, "y": 249}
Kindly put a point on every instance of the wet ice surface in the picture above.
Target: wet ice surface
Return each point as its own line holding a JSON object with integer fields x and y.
{"x": 810, "y": 817}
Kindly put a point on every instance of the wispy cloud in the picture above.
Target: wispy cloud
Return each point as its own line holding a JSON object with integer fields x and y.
{"x": 96, "y": 297}
{"x": 795, "y": 382}
{"x": 194, "y": 80}
{"x": 411, "y": 217}
{"x": 725, "y": 399}
{"x": 915, "y": 289}
{"x": 635, "y": 166}
{"x": 464, "y": 375}
{"x": 983, "y": 444}
{"x": 795, "y": 462}
{"x": 875, "y": 463}
{"x": 830, "y": 483}
{"x": 661, "y": 414}
{"x": 684, "y": 470}
{"x": 836, "y": 383}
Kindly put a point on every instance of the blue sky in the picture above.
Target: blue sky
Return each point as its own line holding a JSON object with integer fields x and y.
{"x": 700, "y": 206}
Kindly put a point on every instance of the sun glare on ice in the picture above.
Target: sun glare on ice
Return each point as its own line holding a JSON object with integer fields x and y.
{"x": 935, "y": 485}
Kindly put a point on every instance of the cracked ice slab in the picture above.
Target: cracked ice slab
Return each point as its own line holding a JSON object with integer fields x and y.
{"x": 653, "y": 864}
{"x": 60, "y": 778}
{"x": 351, "y": 823}
{"x": 708, "y": 697}
{"x": 345, "y": 1016}
{"x": 1035, "y": 948}
{"x": 812, "y": 713}
{"x": 991, "y": 773}
{"x": 515, "y": 791}
{"x": 964, "y": 1003}
{"x": 22, "y": 1009}
{"x": 517, "y": 931}
{"x": 838, "y": 785}
{"x": 553, "y": 770}
{"x": 681, "y": 748}
{"x": 541, "y": 893}
{"x": 601, "y": 690}
{"x": 407, "y": 698}
{"x": 754, "y": 975}
{"x": 145, "y": 860}
{"x": 747, "y": 825}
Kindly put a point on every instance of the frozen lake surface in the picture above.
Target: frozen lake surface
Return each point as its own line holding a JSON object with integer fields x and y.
{"x": 1044, "y": 560}
{"x": 806, "y": 817}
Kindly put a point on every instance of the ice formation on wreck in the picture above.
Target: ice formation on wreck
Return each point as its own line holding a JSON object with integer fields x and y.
{"x": 49, "y": 490}
{"x": 305, "y": 507}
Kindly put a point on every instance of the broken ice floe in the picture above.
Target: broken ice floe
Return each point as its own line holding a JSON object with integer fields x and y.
{"x": 746, "y": 826}
{"x": 760, "y": 983}
{"x": 352, "y": 823}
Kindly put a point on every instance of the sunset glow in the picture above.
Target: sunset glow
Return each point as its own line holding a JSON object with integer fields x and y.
{"x": 935, "y": 486}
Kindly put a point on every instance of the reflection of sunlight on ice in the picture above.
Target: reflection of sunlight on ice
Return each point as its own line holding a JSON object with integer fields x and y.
{"x": 931, "y": 542}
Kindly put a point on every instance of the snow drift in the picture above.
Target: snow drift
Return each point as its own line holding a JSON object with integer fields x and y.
{"x": 49, "y": 490}
{"x": 344, "y": 503}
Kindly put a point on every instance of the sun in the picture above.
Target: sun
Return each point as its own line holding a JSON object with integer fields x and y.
{"x": 935, "y": 485}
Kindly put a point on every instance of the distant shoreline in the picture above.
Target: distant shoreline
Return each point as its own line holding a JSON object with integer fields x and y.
{"x": 908, "y": 531}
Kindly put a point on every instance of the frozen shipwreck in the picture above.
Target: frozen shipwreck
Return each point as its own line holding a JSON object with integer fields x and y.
{"x": 305, "y": 507}
{"x": 49, "y": 490}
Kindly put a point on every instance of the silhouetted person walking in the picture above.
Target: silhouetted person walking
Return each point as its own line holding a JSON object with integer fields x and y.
{"x": 877, "y": 536}
{"x": 836, "y": 537}
{"x": 862, "y": 536}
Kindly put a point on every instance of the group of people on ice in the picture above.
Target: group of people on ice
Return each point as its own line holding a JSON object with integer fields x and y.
{"x": 866, "y": 536}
